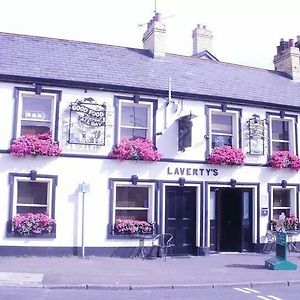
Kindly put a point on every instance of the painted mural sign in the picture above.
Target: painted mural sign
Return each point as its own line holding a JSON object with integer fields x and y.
{"x": 87, "y": 122}
{"x": 192, "y": 171}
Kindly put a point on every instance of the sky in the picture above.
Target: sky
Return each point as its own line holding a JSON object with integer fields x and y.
{"x": 245, "y": 32}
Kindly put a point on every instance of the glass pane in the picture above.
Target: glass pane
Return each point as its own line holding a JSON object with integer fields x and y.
{"x": 31, "y": 127}
{"x": 135, "y": 116}
{"x": 212, "y": 215}
{"x": 221, "y": 140}
{"x": 277, "y": 212}
{"x": 280, "y": 146}
{"x": 280, "y": 130}
{"x": 132, "y": 133}
{"x": 246, "y": 200}
{"x": 30, "y": 192}
{"x": 37, "y": 108}
{"x": 132, "y": 197}
{"x": 281, "y": 198}
{"x": 33, "y": 210}
{"x": 221, "y": 123}
{"x": 141, "y": 215}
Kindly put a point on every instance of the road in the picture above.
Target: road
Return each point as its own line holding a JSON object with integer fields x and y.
{"x": 271, "y": 292}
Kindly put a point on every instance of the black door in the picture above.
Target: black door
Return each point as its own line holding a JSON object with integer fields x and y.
{"x": 180, "y": 218}
{"x": 233, "y": 220}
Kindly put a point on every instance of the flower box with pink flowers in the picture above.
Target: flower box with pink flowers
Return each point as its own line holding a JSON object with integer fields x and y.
{"x": 284, "y": 159}
{"x": 34, "y": 145}
{"x": 133, "y": 227}
{"x": 226, "y": 155}
{"x": 138, "y": 149}
{"x": 33, "y": 225}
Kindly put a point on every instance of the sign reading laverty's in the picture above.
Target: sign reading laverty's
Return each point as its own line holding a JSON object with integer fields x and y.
{"x": 87, "y": 122}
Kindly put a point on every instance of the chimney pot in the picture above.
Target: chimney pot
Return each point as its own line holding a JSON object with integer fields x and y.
{"x": 202, "y": 39}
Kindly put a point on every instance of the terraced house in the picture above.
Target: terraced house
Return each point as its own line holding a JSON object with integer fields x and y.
{"x": 205, "y": 150}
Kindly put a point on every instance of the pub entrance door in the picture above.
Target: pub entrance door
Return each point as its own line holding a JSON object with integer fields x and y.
{"x": 180, "y": 218}
{"x": 231, "y": 219}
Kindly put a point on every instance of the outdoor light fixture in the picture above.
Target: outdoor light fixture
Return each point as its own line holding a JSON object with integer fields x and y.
{"x": 134, "y": 179}
{"x": 181, "y": 181}
{"x": 223, "y": 107}
{"x": 282, "y": 114}
{"x": 232, "y": 183}
{"x": 283, "y": 184}
{"x": 33, "y": 175}
{"x": 136, "y": 98}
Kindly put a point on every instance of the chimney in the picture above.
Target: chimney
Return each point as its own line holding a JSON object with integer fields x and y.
{"x": 287, "y": 58}
{"x": 154, "y": 37}
{"x": 202, "y": 39}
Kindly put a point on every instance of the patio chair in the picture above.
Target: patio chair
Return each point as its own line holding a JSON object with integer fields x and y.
{"x": 164, "y": 243}
{"x": 271, "y": 239}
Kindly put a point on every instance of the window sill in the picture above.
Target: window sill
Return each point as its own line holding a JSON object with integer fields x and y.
{"x": 130, "y": 236}
{"x": 31, "y": 236}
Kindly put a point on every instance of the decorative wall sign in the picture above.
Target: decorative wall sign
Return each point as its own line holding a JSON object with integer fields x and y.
{"x": 256, "y": 128}
{"x": 87, "y": 122}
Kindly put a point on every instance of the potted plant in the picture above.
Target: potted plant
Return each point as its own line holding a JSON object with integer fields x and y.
{"x": 284, "y": 159}
{"x": 33, "y": 225}
{"x": 34, "y": 145}
{"x": 291, "y": 223}
{"x": 138, "y": 149}
{"x": 226, "y": 155}
{"x": 131, "y": 227}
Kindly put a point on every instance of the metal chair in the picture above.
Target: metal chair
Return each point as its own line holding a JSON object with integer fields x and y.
{"x": 163, "y": 242}
{"x": 271, "y": 239}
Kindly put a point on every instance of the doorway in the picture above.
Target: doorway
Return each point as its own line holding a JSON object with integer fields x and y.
{"x": 231, "y": 222}
{"x": 180, "y": 218}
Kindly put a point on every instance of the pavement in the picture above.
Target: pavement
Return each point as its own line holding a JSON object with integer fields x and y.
{"x": 216, "y": 270}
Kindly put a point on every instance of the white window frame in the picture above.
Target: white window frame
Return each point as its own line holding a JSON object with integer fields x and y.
{"x": 293, "y": 201}
{"x": 235, "y": 126}
{"x": 33, "y": 95}
{"x": 49, "y": 182}
{"x": 151, "y": 199}
{"x": 291, "y": 142}
{"x": 148, "y": 105}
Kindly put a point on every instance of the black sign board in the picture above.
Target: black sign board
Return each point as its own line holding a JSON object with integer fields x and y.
{"x": 87, "y": 123}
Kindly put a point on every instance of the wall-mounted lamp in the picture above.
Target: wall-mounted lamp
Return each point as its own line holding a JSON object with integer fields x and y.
{"x": 38, "y": 89}
{"x": 33, "y": 175}
{"x": 136, "y": 98}
{"x": 181, "y": 181}
{"x": 134, "y": 179}
{"x": 223, "y": 107}
{"x": 283, "y": 184}
{"x": 282, "y": 114}
{"x": 232, "y": 183}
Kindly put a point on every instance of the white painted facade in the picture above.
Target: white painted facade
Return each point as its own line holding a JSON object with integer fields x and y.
{"x": 96, "y": 171}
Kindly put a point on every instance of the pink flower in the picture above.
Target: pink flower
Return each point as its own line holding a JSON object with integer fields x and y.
{"x": 226, "y": 155}
{"x": 35, "y": 144}
{"x": 33, "y": 223}
{"x": 138, "y": 149}
{"x": 284, "y": 159}
{"x": 133, "y": 227}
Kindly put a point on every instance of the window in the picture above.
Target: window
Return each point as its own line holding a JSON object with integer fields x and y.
{"x": 281, "y": 135}
{"x": 223, "y": 127}
{"x": 32, "y": 195}
{"x": 36, "y": 113}
{"x": 133, "y": 202}
{"x": 284, "y": 201}
{"x": 135, "y": 119}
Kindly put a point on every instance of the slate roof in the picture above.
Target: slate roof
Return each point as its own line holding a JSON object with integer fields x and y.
{"x": 58, "y": 59}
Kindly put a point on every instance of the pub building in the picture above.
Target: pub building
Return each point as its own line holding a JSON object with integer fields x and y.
{"x": 91, "y": 96}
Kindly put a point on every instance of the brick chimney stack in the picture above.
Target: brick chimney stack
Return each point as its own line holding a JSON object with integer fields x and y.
{"x": 202, "y": 39}
{"x": 287, "y": 58}
{"x": 154, "y": 37}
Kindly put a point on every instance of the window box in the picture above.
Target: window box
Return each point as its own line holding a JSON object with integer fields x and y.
{"x": 226, "y": 155}
{"x": 35, "y": 145}
{"x": 284, "y": 159}
{"x": 138, "y": 149}
{"x": 133, "y": 227}
{"x": 32, "y": 225}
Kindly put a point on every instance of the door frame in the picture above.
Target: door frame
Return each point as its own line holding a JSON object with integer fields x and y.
{"x": 199, "y": 207}
{"x": 255, "y": 186}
